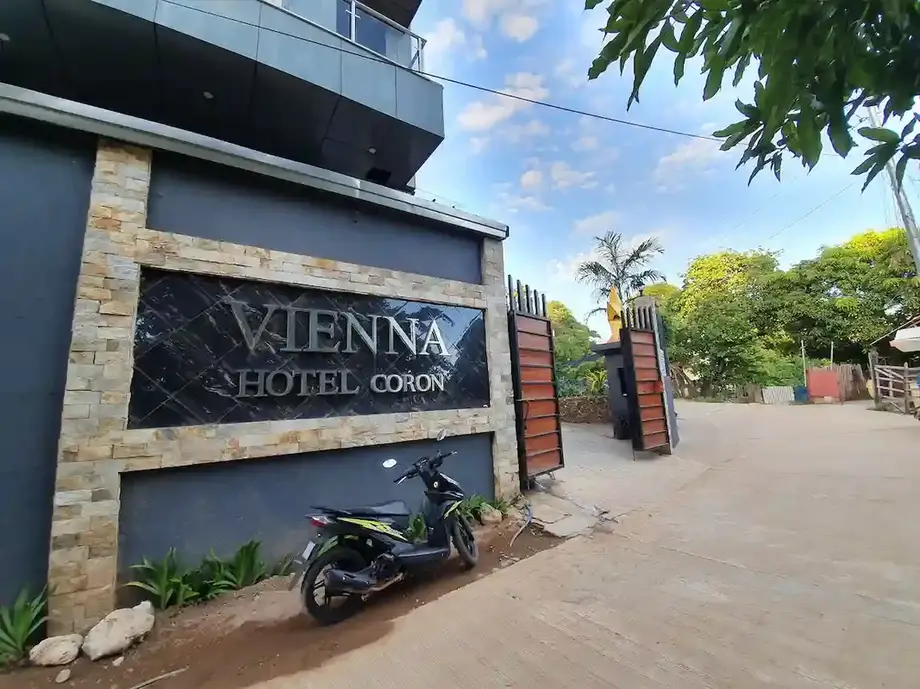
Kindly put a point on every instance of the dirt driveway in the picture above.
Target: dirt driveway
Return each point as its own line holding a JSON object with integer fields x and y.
{"x": 782, "y": 553}
{"x": 776, "y": 549}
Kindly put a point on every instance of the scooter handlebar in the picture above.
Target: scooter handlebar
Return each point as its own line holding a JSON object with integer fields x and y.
{"x": 416, "y": 468}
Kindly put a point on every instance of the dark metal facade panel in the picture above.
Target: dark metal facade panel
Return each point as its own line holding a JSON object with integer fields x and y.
{"x": 45, "y": 177}
{"x": 216, "y": 202}
{"x": 222, "y": 505}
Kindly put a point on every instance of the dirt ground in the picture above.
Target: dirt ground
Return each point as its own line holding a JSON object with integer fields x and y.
{"x": 261, "y": 633}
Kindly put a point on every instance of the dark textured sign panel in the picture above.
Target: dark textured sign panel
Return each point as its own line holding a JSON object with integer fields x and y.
{"x": 223, "y": 350}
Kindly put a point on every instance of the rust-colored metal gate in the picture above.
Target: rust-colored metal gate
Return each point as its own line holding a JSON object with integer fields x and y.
{"x": 649, "y": 399}
{"x": 536, "y": 396}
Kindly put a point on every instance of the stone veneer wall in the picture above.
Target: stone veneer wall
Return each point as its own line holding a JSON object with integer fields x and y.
{"x": 96, "y": 447}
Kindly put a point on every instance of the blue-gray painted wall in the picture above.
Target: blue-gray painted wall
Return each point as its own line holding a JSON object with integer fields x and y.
{"x": 217, "y": 202}
{"x": 45, "y": 177}
{"x": 223, "y": 505}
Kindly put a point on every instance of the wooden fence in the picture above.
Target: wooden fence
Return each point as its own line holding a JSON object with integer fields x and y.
{"x": 896, "y": 386}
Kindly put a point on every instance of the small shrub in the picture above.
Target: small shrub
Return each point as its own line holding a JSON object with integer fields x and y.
{"x": 246, "y": 567}
{"x": 19, "y": 625}
{"x": 165, "y": 582}
{"x": 283, "y": 567}
{"x": 418, "y": 530}
{"x": 210, "y": 579}
{"x": 501, "y": 505}
{"x": 596, "y": 382}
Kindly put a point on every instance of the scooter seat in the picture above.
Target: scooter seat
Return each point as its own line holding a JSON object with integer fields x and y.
{"x": 395, "y": 508}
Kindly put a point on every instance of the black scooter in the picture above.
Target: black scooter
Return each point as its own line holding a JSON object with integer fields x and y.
{"x": 362, "y": 550}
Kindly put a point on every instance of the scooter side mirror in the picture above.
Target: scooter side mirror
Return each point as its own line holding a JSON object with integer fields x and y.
{"x": 389, "y": 463}
{"x": 442, "y": 435}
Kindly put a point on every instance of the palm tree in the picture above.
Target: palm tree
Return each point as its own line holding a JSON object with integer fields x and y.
{"x": 620, "y": 264}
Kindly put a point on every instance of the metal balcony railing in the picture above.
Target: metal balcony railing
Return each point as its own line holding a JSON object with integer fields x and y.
{"x": 372, "y": 30}
{"x": 363, "y": 26}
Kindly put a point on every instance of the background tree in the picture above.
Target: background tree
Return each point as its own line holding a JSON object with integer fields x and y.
{"x": 850, "y": 294}
{"x": 661, "y": 292}
{"x": 571, "y": 344}
{"x": 571, "y": 338}
{"x": 738, "y": 318}
{"x": 817, "y": 63}
{"x": 620, "y": 264}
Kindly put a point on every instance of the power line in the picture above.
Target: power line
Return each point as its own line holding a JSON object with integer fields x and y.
{"x": 753, "y": 213}
{"x": 813, "y": 210}
{"x": 477, "y": 87}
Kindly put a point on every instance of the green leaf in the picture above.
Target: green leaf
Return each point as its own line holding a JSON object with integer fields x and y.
{"x": 879, "y": 166}
{"x": 864, "y": 166}
{"x": 718, "y": 5}
{"x": 669, "y": 38}
{"x": 688, "y": 34}
{"x": 840, "y": 137}
{"x": 899, "y": 170}
{"x": 641, "y": 63}
{"x": 680, "y": 62}
{"x": 591, "y": 4}
{"x": 808, "y": 137}
{"x": 740, "y": 68}
{"x": 731, "y": 129}
{"x": 714, "y": 79}
{"x": 880, "y": 134}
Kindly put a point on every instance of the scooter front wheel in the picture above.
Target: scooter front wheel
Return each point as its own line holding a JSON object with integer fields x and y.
{"x": 326, "y": 608}
{"x": 462, "y": 535}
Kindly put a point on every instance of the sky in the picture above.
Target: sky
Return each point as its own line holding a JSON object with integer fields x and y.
{"x": 559, "y": 179}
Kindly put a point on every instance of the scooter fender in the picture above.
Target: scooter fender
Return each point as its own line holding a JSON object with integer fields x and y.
{"x": 299, "y": 566}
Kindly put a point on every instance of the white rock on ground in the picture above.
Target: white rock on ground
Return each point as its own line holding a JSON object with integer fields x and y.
{"x": 56, "y": 650}
{"x": 490, "y": 515}
{"x": 62, "y": 676}
{"x": 118, "y": 631}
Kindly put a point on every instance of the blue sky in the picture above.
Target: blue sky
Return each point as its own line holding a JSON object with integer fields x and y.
{"x": 559, "y": 179}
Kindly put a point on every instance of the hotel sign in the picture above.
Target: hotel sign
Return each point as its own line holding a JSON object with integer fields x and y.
{"x": 222, "y": 350}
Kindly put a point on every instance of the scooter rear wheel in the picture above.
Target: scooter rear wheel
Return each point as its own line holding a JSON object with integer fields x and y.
{"x": 462, "y": 535}
{"x": 324, "y": 608}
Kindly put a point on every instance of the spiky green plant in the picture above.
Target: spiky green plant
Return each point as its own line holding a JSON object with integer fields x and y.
{"x": 247, "y": 567}
{"x": 165, "y": 582}
{"x": 417, "y": 531}
{"x": 20, "y": 623}
{"x": 283, "y": 566}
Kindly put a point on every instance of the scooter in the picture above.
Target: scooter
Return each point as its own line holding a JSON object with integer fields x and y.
{"x": 360, "y": 551}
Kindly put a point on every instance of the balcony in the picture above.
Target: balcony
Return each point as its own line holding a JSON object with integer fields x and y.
{"x": 332, "y": 83}
{"x": 362, "y": 25}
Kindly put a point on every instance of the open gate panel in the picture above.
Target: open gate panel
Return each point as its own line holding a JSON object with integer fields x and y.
{"x": 649, "y": 415}
{"x": 536, "y": 401}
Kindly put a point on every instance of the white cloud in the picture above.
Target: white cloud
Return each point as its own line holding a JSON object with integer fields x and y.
{"x": 479, "y": 12}
{"x": 531, "y": 179}
{"x": 520, "y": 27}
{"x": 597, "y": 225}
{"x": 447, "y": 37}
{"x": 483, "y": 115}
{"x": 527, "y": 202}
{"x": 564, "y": 176}
{"x": 695, "y": 157}
{"x": 586, "y": 143}
{"x": 569, "y": 72}
{"x": 566, "y": 269}
{"x": 517, "y": 19}
{"x": 477, "y": 48}
{"x": 518, "y": 132}
{"x": 478, "y": 144}
{"x": 509, "y": 202}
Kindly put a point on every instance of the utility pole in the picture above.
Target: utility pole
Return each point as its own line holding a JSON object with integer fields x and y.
{"x": 904, "y": 210}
